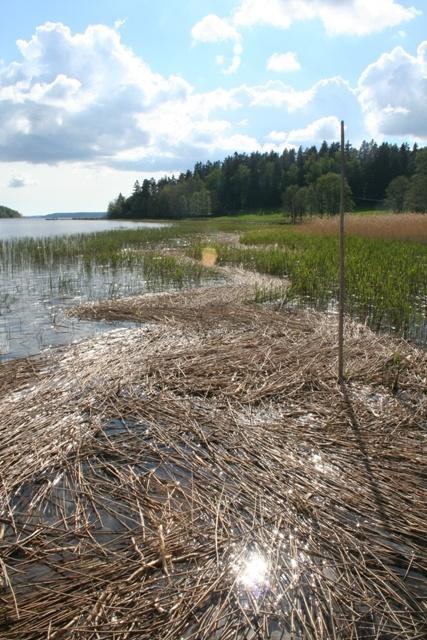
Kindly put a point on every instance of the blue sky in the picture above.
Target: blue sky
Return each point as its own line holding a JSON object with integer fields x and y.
{"x": 96, "y": 94}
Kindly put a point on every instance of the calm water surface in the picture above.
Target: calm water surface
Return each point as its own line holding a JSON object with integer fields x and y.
{"x": 40, "y": 228}
{"x": 34, "y": 299}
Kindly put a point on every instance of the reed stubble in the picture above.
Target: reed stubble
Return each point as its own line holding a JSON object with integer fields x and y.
{"x": 142, "y": 472}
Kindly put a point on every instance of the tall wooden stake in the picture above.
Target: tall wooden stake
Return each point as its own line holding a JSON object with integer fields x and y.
{"x": 341, "y": 298}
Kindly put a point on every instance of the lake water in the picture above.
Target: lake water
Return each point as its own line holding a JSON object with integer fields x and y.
{"x": 41, "y": 228}
{"x": 34, "y": 299}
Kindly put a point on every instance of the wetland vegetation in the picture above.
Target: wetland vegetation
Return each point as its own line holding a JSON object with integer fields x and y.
{"x": 386, "y": 270}
{"x": 40, "y": 278}
{"x": 386, "y": 266}
{"x": 208, "y": 450}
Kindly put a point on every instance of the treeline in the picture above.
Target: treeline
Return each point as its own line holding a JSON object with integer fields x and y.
{"x": 301, "y": 182}
{"x": 5, "y": 212}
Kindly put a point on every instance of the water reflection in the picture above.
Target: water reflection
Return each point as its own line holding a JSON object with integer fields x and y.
{"x": 252, "y": 572}
{"x": 30, "y": 227}
{"x": 276, "y": 585}
{"x": 33, "y": 301}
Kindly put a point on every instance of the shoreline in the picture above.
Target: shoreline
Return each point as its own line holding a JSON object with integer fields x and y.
{"x": 205, "y": 475}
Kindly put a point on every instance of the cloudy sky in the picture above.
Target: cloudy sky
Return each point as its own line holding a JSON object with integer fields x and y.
{"x": 97, "y": 93}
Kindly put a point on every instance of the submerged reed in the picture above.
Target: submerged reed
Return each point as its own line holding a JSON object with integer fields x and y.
{"x": 205, "y": 478}
{"x": 386, "y": 280}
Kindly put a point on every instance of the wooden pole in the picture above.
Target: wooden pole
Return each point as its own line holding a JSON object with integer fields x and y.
{"x": 341, "y": 298}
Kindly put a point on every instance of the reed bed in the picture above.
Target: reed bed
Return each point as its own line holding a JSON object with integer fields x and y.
{"x": 386, "y": 281}
{"x": 404, "y": 227}
{"x": 107, "y": 247}
{"x": 204, "y": 477}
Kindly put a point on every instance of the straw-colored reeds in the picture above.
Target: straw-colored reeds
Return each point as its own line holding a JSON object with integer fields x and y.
{"x": 395, "y": 226}
{"x": 203, "y": 476}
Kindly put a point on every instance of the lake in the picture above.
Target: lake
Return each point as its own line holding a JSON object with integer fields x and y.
{"x": 42, "y": 228}
{"x": 37, "y": 287}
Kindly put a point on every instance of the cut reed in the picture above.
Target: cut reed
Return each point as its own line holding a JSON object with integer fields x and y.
{"x": 204, "y": 477}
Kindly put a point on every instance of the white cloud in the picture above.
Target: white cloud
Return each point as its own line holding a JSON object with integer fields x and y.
{"x": 339, "y": 17}
{"x": 18, "y": 181}
{"x": 393, "y": 94}
{"x": 350, "y": 17}
{"x": 327, "y": 128}
{"x": 118, "y": 24}
{"x": 279, "y": 95}
{"x": 236, "y": 60}
{"x": 214, "y": 29}
{"x": 77, "y": 97}
{"x": 86, "y": 98}
{"x": 283, "y": 62}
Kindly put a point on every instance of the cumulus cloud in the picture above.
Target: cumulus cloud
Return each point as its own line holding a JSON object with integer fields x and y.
{"x": 393, "y": 93}
{"x": 339, "y": 17}
{"x": 186, "y": 130}
{"x": 19, "y": 181}
{"x": 85, "y": 97}
{"x": 327, "y": 128}
{"x": 350, "y": 17}
{"x": 283, "y": 62}
{"x": 77, "y": 97}
{"x": 280, "y": 95}
{"x": 213, "y": 29}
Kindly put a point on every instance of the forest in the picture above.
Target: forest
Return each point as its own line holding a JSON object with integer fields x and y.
{"x": 299, "y": 182}
{"x": 5, "y": 212}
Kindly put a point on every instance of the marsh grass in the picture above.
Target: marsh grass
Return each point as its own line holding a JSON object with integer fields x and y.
{"x": 41, "y": 278}
{"x": 386, "y": 280}
{"x": 119, "y": 249}
{"x": 406, "y": 227}
{"x": 107, "y": 247}
{"x": 386, "y": 267}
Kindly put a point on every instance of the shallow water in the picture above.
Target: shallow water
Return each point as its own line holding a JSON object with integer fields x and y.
{"x": 34, "y": 298}
{"x": 41, "y": 228}
{"x": 34, "y": 302}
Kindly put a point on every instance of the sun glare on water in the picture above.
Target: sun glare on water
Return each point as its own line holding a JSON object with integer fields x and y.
{"x": 252, "y": 572}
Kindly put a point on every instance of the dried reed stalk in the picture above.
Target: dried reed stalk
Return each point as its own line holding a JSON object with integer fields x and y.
{"x": 205, "y": 477}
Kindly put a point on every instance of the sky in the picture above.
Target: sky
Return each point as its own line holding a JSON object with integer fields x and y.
{"x": 96, "y": 94}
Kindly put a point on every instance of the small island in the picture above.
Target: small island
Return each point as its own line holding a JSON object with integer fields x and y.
{"x": 5, "y": 212}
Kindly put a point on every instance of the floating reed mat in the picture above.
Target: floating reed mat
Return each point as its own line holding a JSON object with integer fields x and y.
{"x": 208, "y": 479}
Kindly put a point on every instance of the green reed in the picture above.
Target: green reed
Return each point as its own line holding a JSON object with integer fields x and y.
{"x": 386, "y": 281}
{"x": 132, "y": 250}
{"x": 103, "y": 247}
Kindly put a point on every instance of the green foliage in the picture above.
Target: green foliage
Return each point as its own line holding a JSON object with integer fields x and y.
{"x": 5, "y": 212}
{"x": 416, "y": 195}
{"x": 323, "y": 197}
{"x": 305, "y": 182}
{"x": 132, "y": 249}
{"x": 396, "y": 194}
{"x": 327, "y": 195}
{"x": 386, "y": 280}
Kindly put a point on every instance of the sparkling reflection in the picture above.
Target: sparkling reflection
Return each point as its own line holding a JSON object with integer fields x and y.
{"x": 252, "y": 572}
